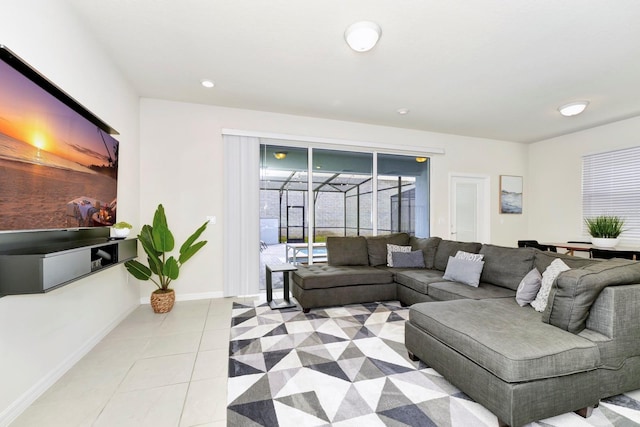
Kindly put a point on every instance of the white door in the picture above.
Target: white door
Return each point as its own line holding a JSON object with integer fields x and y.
{"x": 469, "y": 207}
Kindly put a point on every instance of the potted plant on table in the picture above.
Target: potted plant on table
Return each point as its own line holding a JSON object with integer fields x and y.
{"x": 605, "y": 230}
{"x": 157, "y": 241}
{"x": 121, "y": 229}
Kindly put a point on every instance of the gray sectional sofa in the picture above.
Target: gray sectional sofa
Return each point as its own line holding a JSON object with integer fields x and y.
{"x": 520, "y": 364}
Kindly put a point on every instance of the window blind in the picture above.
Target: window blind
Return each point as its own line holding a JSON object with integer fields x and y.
{"x": 611, "y": 186}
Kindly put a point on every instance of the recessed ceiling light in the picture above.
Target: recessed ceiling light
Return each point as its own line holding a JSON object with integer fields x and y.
{"x": 573, "y": 108}
{"x": 362, "y": 36}
{"x": 402, "y": 111}
{"x": 207, "y": 83}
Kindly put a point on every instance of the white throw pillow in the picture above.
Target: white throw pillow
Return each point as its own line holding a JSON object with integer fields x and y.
{"x": 469, "y": 256}
{"x": 395, "y": 248}
{"x": 529, "y": 287}
{"x": 548, "y": 277}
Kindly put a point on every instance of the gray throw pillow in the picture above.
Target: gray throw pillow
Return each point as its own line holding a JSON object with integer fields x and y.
{"x": 528, "y": 287}
{"x": 413, "y": 259}
{"x": 395, "y": 248}
{"x": 464, "y": 271}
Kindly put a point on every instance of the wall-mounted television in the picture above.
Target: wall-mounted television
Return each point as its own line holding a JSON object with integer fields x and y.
{"x": 58, "y": 161}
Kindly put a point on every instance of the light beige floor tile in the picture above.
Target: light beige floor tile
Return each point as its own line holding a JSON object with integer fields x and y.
{"x": 211, "y": 364}
{"x": 155, "y": 407}
{"x": 158, "y": 372}
{"x": 71, "y": 412}
{"x": 128, "y": 329}
{"x": 219, "y": 423}
{"x": 164, "y": 345}
{"x": 112, "y": 354}
{"x": 216, "y": 339}
{"x": 144, "y": 313}
{"x": 197, "y": 308}
{"x": 218, "y": 321}
{"x": 206, "y": 402}
{"x": 180, "y": 324}
{"x": 78, "y": 384}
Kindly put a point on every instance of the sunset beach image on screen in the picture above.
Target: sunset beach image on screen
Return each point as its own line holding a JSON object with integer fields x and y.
{"x": 57, "y": 169}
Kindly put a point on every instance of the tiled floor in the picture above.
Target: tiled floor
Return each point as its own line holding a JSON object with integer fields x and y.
{"x": 151, "y": 370}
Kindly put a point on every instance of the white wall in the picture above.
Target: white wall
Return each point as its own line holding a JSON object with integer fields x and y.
{"x": 182, "y": 167}
{"x": 42, "y": 335}
{"x": 556, "y": 171}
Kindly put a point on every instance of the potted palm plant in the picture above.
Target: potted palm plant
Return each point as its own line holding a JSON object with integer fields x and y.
{"x": 605, "y": 230}
{"x": 157, "y": 241}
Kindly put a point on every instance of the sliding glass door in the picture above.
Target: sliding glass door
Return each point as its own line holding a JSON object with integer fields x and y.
{"x": 403, "y": 194}
{"x": 342, "y": 193}
{"x": 309, "y": 194}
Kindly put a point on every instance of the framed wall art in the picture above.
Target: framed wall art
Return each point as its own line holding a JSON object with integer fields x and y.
{"x": 510, "y": 194}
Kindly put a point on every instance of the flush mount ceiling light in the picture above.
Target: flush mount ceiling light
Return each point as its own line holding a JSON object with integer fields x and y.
{"x": 573, "y": 108}
{"x": 402, "y": 111}
{"x": 207, "y": 83}
{"x": 421, "y": 159}
{"x": 362, "y": 36}
{"x": 280, "y": 155}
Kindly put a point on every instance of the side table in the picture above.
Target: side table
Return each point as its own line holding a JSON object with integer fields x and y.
{"x": 277, "y": 268}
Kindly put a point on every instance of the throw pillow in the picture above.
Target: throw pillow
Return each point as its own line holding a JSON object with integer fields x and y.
{"x": 548, "y": 277}
{"x": 464, "y": 271}
{"x": 469, "y": 256}
{"x": 529, "y": 287}
{"x": 413, "y": 259}
{"x": 395, "y": 248}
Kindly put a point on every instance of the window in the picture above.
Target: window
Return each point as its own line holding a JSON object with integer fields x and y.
{"x": 611, "y": 186}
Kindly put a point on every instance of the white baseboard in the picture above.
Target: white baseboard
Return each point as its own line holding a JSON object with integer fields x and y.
{"x": 190, "y": 297}
{"x": 16, "y": 408}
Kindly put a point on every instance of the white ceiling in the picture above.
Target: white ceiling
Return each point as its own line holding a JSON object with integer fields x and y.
{"x": 487, "y": 68}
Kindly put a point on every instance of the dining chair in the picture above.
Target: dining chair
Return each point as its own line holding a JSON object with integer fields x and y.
{"x": 535, "y": 244}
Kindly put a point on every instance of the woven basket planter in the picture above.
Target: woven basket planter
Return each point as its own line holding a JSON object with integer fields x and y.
{"x": 162, "y": 301}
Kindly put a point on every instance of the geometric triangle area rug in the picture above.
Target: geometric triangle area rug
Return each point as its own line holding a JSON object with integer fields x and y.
{"x": 348, "y": 366}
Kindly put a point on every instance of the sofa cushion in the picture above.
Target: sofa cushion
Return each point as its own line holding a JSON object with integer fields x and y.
{"x": 464, "y": 271}
{"x": 418, "y": 280}
{"x": 506, "y": 266}
{"x": 445, "y": 291}
{"x": 528, "y": 287}
{"x": 509, "y": 341}
{"x": 544, "y": 258}
{"x": 377, "y": 246}
{"x": 347, "y": 251}
{"x": 413, "y": 259}
{"x": 328, "y": 276}
{"x": 576, "y": 290}
{"x": 428, "y": 246}
{"x": 447, "y": 248}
